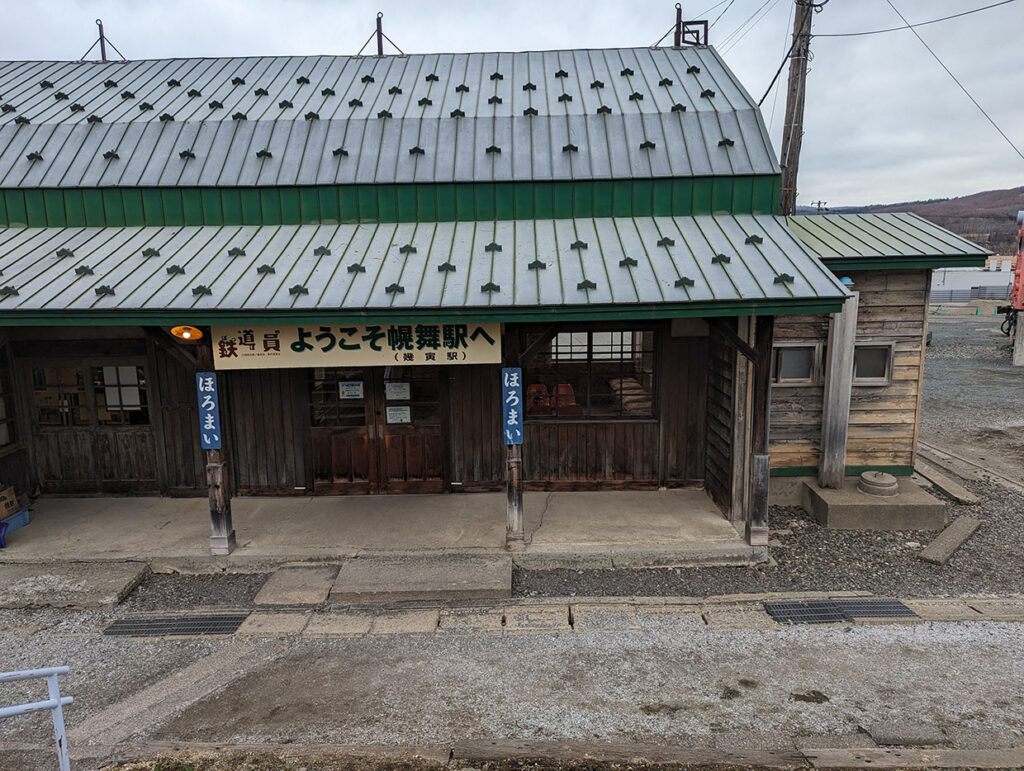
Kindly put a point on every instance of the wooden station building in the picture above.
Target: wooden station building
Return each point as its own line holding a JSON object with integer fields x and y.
{"x": 365, "y": 241}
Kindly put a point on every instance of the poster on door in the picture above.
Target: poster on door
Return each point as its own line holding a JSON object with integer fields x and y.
{"x": 364, "y": 345}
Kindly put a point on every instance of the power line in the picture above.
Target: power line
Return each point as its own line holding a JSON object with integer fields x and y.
{"x": 735, "y": 42}
{"x": 911, "y": 26}
{"x": 747, "y": 21}
{"x": 721, "y": 14}
{"x": 955, "y": 80}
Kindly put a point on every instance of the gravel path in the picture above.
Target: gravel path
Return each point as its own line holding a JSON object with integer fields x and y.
{"x": 973, "y": 400}
{"x": 174, "y": 591}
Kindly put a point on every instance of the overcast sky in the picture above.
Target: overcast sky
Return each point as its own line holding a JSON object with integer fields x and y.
{"x": 884, "y": 123}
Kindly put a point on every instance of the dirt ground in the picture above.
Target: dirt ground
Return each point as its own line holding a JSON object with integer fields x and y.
{"x": 973, "y": 401}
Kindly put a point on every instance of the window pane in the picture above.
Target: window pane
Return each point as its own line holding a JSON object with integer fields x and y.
{"x": 601, "y": 374}
{"x": 120, "y": 396}
{"x": 338, "y": 397}
{"x": 59, "y": 396}
{"x": 871, "y": 362}
{"x": 794, "y": 363}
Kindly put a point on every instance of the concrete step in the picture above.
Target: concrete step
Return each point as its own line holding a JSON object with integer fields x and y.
{"x": 370, "y": 580}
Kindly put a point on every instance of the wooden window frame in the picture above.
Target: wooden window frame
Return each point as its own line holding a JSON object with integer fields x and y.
{"x": 817, "y": 364}
{"x": 875, "y": 381}
{"x": 587, "y": 416}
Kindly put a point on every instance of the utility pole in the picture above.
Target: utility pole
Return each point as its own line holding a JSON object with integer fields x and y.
{"x": 793, "y": 128}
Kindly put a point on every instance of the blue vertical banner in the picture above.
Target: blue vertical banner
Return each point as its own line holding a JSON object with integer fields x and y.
{"x": 209, "y": 410}
{"x": 512, "y": 404}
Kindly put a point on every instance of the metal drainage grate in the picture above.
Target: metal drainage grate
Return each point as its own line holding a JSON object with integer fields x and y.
{"x": 875, "y": 609}
{"x": 835, "y": 611}
{"x": 806, "y": 612}
{"x": 167, "y": 626}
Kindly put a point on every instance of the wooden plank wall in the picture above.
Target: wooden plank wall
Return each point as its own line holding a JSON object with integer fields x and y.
{"x": 795, "y": 430}
{"x": 883, "y": 419}
{"x": 15, "y": 464}
{"x": 683, "y": 383}
{"x": 718, "y": 458}
{"x": 267, "y": 412}
{"x": 588, "y": 455}
{"x": 478, "y": 455}
{"x": 184, "y": 467}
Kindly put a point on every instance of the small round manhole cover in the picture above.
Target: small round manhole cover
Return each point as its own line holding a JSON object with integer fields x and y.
{"x": 878, "y": 483}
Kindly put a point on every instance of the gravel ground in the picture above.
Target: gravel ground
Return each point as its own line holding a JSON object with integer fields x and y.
{"x": 973, "y": 401}
{"x": 175, "y": 591}
{"x": 973, "y": 404}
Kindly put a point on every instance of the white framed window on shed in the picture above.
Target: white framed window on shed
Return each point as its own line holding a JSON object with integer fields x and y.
{"x": 872, "y": 364}
{"x": 796, "y": 364}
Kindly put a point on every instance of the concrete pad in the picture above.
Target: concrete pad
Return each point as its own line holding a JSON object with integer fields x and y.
{"x": 338, "y": 625}
{"x": 943, "y": 610}
{"x": 905, "y": 734}
{"x": 621, "y": 518}
{"x": 850, "y": 509}
{"x": 723, "y": 619}
{"x": 400, "y": 579}
{"x": 68, "y": 584}
{"x": 537, "y": 619}
{"x": 298, "y": 586}
{"x": 659, "y": 617}
{"x": 273, "y": 625}
{"x": 604, "y": 618}
{"x": 472, "y": 621}
{"x": 999, "y": 610}
{"x": 406, "y": 622}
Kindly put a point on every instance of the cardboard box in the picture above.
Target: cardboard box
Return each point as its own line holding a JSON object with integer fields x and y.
{"x": 8, "y": 502}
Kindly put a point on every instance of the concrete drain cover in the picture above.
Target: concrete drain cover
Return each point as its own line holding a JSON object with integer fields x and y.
{"x": 176, "y": 626}
{"x": 835, "y": 611}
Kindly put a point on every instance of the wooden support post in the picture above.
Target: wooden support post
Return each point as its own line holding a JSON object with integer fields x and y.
{"x": 793, "y": 125}
{"x": 222, "y": 532}
{"x": 515, "y": 536}
{"x": 760, "y": 466}
{"x": 835, "y": 418}
{"x": 742, "y": 389}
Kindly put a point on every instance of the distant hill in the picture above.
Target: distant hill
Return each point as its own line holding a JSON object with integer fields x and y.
{"x": 988, "y": 218}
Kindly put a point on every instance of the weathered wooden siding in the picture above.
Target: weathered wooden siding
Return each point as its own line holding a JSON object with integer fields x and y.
{"x": 15, "y": 464}
{"x": 267, "y": 412}
{"x": 683, "y": 378}
{"x": 883, "y": 419}
{"x": 795, "y": 430}
{"x": 587, "y": 454}
{"x": 478, "y": 455}
{"x": 174, "y": 412}
{"x": 718, "y": 458}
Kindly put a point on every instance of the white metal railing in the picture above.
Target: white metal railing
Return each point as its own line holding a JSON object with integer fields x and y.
{"x": 55, "y": 704}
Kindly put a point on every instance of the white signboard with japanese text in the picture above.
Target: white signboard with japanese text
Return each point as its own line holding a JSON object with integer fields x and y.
{"x": 350, "y": 389}
{"x": 399, "y": 414}
{"x": 365, "y": 345}
{"x": 396, "y": 391}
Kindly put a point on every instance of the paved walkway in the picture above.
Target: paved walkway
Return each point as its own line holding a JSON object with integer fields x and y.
{"x": 596, "y": 529}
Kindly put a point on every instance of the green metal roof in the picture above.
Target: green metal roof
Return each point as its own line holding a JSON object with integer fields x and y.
{"x": 639, "y": 267}
{"x": 620, "y": 113}
{"x": 883, "y": 241}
